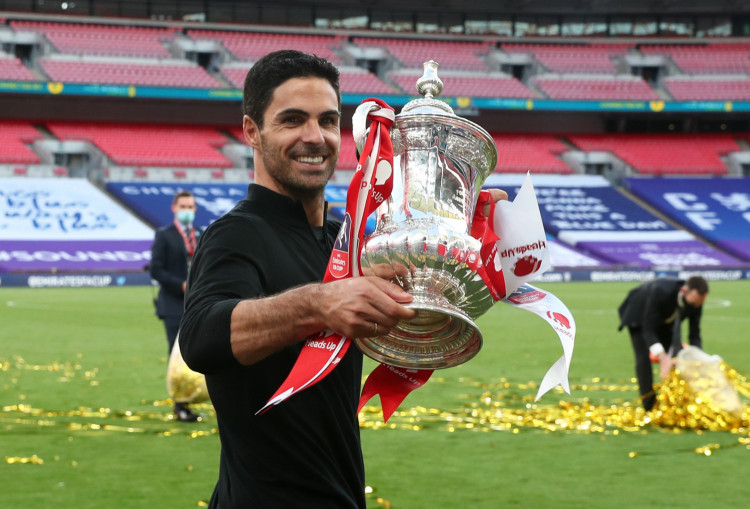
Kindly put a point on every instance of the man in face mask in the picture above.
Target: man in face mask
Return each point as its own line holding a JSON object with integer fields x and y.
{"x": 171, "y": 254}
{"x": 652, "y": 312}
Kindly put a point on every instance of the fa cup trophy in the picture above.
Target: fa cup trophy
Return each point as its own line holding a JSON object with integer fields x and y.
{"x": 422, "y": 237}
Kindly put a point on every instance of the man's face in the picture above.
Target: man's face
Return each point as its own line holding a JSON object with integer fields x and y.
{"x": 298, "y": 147}
{"x": 184, "y": 203}
{"x": 693, "y": 298}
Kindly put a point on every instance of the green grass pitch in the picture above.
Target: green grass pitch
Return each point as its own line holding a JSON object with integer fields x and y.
{"x": 84, "y": 415}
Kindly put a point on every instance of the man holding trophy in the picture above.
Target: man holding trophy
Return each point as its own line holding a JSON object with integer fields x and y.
{"x": 255, "y": 293}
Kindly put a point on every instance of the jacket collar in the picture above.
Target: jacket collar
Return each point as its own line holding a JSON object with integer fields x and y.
{"x": 277, "y": 207}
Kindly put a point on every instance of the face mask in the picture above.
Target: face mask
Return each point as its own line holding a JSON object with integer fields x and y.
{"x": 686, "y": 304}
{"x": 185, "y": 216}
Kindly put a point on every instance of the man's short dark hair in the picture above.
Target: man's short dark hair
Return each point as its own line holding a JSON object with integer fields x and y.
{"x": 274, "y": 69}
{"x": 181, "y": 194}
{"x": 698, "y": 284}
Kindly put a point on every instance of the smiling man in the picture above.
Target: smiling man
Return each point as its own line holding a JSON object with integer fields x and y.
{"x": 254, "y": 294}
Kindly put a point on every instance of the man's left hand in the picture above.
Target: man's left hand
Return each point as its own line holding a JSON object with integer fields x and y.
{"x": 665, "y": 365}
{"x": 497, "y": 195}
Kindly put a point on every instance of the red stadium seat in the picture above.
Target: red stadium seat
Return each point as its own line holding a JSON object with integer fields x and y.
{"x": 567, "y": 87}
{"x": 13, "y": 142}
{"x": 155, "y": 73}
{"x": 250, "y": 46}
{"x": 359, "y": 81}
{"x": 712, "y": 89}
{"x": 105, "y": 40}
{"x": 235, "y": 74}
{"x": 412, "y": 53}
{"x": 11, "y": 68}
{"x": 664, "y": 154}
{"x": 729, "y": 58}
{"x": 467, "y": 84}
{"x": 348, "y": 153}
{"x": 574, "y": 58}
{"x": 537, "y": 153}
{"x": 150, "y": 145}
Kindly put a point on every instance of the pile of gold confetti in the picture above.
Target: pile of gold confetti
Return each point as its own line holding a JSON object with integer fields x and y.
{"x": 702, "y": 399}
{"x": 506, "y": 406}
{"x": 497, "y": 405}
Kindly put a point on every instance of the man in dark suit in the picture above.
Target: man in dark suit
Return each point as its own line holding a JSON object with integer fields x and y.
{"x": 171, "y": 254}
{"x": 652, "y": 312}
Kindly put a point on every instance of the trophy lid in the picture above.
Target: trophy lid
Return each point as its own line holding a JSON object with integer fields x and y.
{"x": 429, "y": 86}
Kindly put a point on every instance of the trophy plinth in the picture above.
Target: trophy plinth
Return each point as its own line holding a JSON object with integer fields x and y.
{"x": 422, "y": 240}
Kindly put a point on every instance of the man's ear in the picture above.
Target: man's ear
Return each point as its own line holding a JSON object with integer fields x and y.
{"x": 251, "y": 131}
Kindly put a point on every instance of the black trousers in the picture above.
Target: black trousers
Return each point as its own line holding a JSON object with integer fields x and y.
{"x": 643, "y": 367}
{"x": 172, "y": 326}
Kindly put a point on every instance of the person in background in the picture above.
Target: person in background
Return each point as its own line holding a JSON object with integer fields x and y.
{"x": 653, "y": 312}
{"x": 171, "y": 254}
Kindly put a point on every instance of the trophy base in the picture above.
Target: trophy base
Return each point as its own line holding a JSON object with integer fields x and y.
{"x": 440, "y": 336}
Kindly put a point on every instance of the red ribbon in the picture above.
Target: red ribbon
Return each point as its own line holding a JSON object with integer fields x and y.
{"x": 482, "y": 229}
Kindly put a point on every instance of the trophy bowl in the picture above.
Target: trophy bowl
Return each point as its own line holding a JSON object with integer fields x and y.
{"x": 421, "y": 240}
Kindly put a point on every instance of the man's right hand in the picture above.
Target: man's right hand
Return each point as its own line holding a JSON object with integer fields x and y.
{"x": 359, "y": 307}
{"x": 352, "y": 307}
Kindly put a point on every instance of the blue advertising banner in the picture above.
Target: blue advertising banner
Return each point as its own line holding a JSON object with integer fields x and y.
{"x": 152, "y": 201}
{"x": 576, "y": 208}
{"x": 587, "y": 212}
{"x": 717, "y": 209}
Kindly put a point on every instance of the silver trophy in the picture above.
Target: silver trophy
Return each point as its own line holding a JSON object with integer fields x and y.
{"x": 421, "y": 240}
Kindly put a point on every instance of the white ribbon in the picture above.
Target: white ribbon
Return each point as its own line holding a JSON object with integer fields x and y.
{"x": 522, "y": 253}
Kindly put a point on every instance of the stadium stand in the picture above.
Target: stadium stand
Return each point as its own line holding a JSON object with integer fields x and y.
{"x": 465, "y": 56}
{"x": 721, "y": 58}
{"x": 12, "y": 68}
{"x": 236, "y": 132}
{"x": 537, "y": 153}
{"x": 664, "y": 154}
{"x": 355, "y": 80}
{"x": 348, "y": 153}
{"x": 103, "y": 40}
{"x": 150, "y": 145}
{"x": 235, "y": 73}
{"x": 250, "y": 47}
{"x": 708, "y": 88}
{"x": 149, "y": 72}
{"x": 94, "y": 53}
{"x": 163, "y": 52}
{"x": 573, "y": 58}
{"x": 587, "y": 87}
{"x": 13, "y": 149}
{"x": 466, "y": 84}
